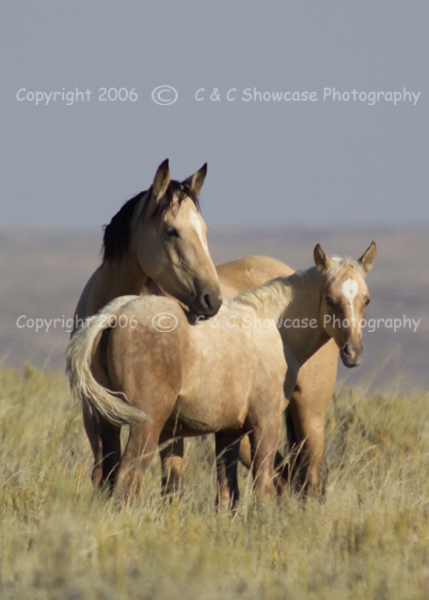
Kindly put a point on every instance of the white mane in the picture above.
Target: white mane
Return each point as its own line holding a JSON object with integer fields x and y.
{"x": 275, "y": 292}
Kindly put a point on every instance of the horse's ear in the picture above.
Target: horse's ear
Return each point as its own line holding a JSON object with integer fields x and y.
{"x": 368, "y": 258}
{"x": 322, "y": 261}
{"x": 195, "y": 181}
{"x": 161, "y": 180}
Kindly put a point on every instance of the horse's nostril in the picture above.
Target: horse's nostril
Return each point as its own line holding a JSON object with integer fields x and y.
{"x": 208, "y": 304}
{"x": 349, "y": 351}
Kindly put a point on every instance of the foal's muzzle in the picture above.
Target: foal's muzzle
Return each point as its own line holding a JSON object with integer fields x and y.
{"x": 351, "y": 355}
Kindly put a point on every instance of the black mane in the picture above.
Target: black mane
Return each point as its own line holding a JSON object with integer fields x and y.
{"x": 117, "y": 235}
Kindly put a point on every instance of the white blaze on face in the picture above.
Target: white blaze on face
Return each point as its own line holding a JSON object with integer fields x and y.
{"x": 350, "y": 289}
{"x": 196, "y": 223}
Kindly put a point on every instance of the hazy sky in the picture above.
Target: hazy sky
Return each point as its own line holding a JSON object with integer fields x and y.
{"x": 270, "y": 162}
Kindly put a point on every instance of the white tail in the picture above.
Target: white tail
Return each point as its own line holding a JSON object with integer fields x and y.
{"x": 112, "y": 405}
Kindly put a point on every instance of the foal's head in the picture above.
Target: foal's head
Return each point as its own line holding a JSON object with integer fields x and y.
{"x": 168, "y": 236}
{"x": 345, "y": 297}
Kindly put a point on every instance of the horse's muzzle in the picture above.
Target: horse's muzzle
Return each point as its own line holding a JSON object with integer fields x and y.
{"x": 207, "y": 304}
{"x": 351, "y": 355}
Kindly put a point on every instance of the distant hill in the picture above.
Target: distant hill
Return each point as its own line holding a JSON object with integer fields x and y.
{"x": 42, "y": 273}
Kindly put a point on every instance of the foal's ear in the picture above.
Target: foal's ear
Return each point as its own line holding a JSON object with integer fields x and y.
{"x": 368, "y": 258}
{"x": 322, "y": 261}
{"x": 195, "y": 181}
{"x": 161, "y": 180}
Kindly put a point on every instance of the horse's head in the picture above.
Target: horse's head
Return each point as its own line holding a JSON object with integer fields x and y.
{"x": 344, "y": 299}
{"x": 170, "y": 240}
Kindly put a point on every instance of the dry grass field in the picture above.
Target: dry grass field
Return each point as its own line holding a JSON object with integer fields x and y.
{"x": 370, "y": 540}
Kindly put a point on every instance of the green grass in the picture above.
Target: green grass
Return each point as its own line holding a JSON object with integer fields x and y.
{"x": 59, "y": 540}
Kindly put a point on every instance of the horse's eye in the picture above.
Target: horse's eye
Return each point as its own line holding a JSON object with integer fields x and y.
{"x": 367, "y": 301}
{"x": 172, "y": 232}
{"x": 329, "y": 301}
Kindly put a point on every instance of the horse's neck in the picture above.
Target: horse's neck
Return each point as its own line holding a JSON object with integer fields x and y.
{"x": 294, "y": 303}
{"x": 300, "y": 325}
{"x": 121, "y": 278}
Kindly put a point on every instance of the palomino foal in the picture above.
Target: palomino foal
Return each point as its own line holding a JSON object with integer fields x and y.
{"x": 159, "y": 235}
{"x": 232, "y": 378}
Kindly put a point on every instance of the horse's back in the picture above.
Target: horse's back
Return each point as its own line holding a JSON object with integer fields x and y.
{"x": 156, "y": 318}
{"x": 247, "y": 272}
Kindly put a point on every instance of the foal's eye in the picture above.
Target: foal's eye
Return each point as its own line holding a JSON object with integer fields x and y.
{"x": 367, "y": 301}
{"x": 172, "y": 232}
{"x": 329, "y": 301}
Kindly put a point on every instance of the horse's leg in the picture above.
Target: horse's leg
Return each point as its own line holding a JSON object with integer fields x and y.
{"x": 264, "y": 439}
{"x": 306, "y": 467}
{"x": 105, "y": 441}
{"x": 305, "y": 422}
{"x": 171, "y": 464}
{"x": 92, "y": 429}
{"x": 141, "y": 447}
{"x": 111, "y": 448}
{"x": 227, "y": 449}
{"x": 245, "y": 454}
{"x": 245, "y": 457}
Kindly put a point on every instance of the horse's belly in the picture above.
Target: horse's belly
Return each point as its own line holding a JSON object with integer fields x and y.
{"x": 216, "y": 405}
